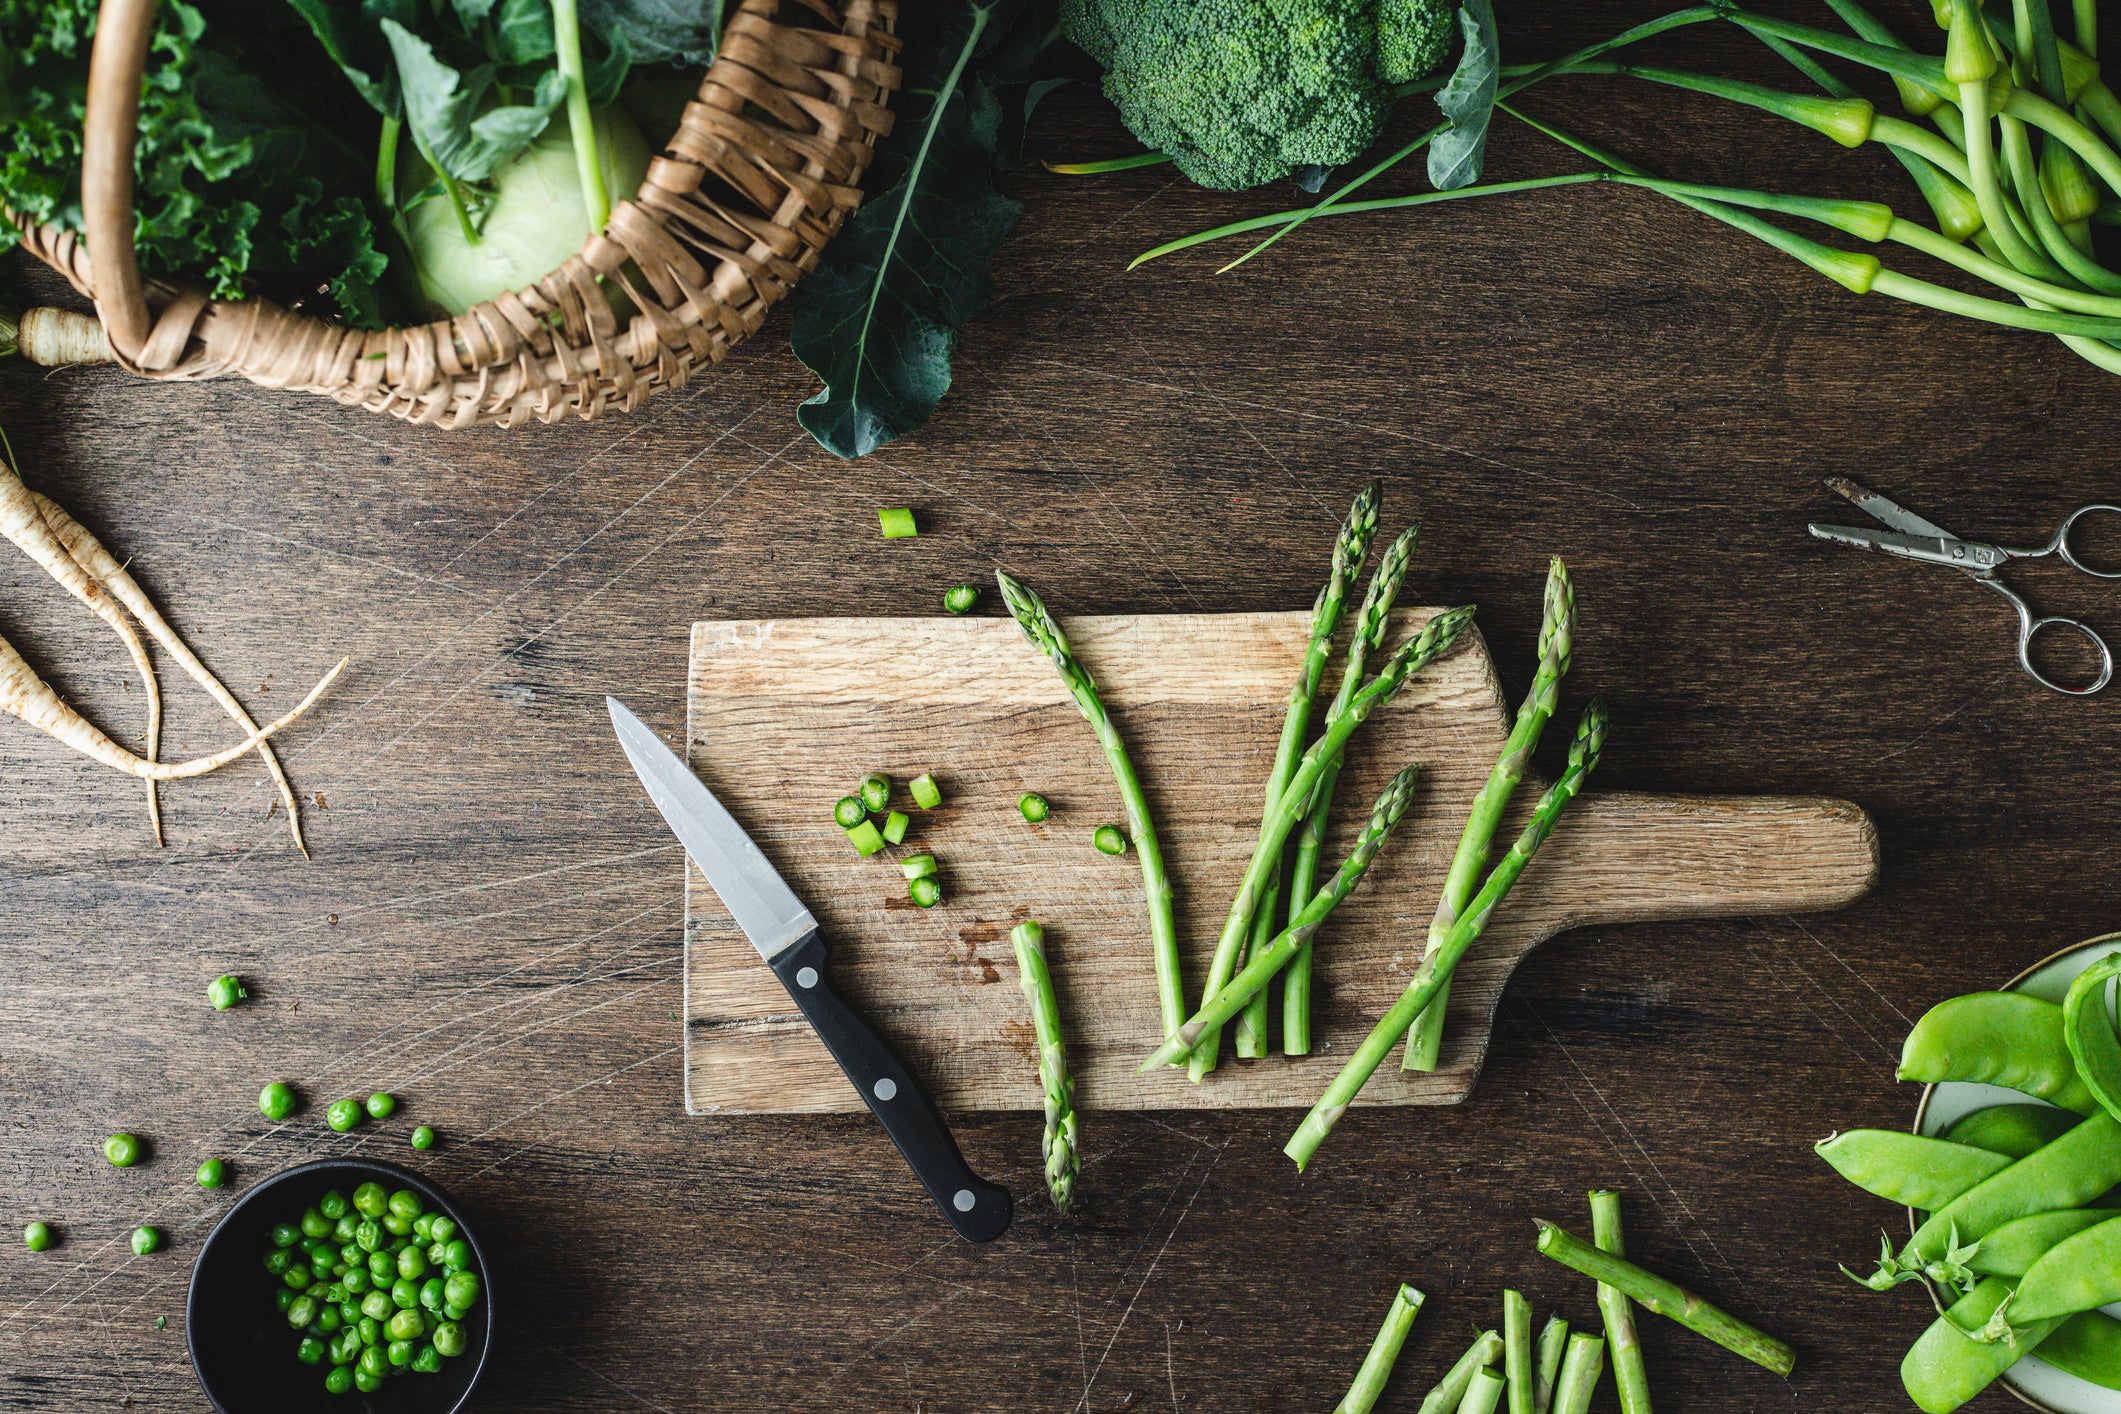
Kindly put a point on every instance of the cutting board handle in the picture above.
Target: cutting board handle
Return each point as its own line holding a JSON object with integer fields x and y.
{"x": 1639, "y": 858}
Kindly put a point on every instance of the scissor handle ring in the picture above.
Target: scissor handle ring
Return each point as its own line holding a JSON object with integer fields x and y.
{"x": 2029, "y": 628}
{"x": 2061, "y": 546}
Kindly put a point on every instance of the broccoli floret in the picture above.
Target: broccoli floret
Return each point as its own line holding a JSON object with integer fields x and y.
{"x": 1240, "y": 92}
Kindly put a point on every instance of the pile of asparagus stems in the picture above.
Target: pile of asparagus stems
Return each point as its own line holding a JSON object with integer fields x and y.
{"x": 1264, "y": 936}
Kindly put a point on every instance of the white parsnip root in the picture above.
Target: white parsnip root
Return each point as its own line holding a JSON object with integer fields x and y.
{"x": 74, "y": 557}
{"x": 54, "y": 338}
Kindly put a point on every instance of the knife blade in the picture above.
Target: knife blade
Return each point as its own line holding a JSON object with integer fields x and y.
{"x": 787, "y": 937}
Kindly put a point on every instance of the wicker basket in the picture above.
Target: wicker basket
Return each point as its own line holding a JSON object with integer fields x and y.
{"x": 764, "y": 167}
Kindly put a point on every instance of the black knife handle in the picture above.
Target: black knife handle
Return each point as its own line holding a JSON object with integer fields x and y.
{"x": 979, "y": 1210}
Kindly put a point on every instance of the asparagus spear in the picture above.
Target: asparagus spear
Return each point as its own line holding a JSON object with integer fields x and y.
{"x": 1350, "y": 548}
{"x": 1517, "y": 1349}
{"x": 1384, "y": 1354}
{"x": 1272, "y": 958}
{"x": 1045, "y": 634}
{"x": 1062, "y": 1142}
{"x": 1553, "y": 1340}
{"x": 1370, "y": 625}
{"x": 1435, "y": 638}
{"x": 1583, "y": 758}
{"x": 1667, "y": 1299}
{"x": 1452, "y": 1387}
{"x": 1484, "y": 1393}
{"x": 1629, "y": 1376}
{"x": 1580, "y": 1370}
{"x": 1557, "y": 634}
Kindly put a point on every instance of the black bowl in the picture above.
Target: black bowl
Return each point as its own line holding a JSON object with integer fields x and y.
{"x": 242, "y": 1349}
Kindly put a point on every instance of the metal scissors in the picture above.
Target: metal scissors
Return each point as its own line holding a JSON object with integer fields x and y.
{"x": 1913, "y": 538}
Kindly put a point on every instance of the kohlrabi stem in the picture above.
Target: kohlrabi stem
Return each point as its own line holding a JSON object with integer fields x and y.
{"x": 567, "y": 39}
{"x": 387, "y": 167}
{"x": 1108, "y": 164}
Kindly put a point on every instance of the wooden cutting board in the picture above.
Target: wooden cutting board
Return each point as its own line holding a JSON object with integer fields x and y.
{"x": 787, "y": 715}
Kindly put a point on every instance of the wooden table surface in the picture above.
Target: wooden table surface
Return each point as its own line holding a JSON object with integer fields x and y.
{"x": 491, "y": 924}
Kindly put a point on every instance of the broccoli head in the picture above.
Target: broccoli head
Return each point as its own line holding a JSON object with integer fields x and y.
{"x": 1240, "y": 92}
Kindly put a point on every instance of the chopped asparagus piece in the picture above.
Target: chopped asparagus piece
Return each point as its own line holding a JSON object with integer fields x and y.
{"x": 1384, "y": 1354}
{"x": 849, "y": 812}
{"x": 1062, "y": 1141}
{"x": 865, "y": 838}
{"x": 1033, "y": 806}
{"x": 1109, "y": 840}
{"x": 925, "y": 891}
{"x": 895, "y": 826}
{"x": 876, "y": 791}
{"x": 897, "y": 522}
{"x": 917, "y": 866}
{"x": 1483, "y": 1394}
{"x": 1485, "y": 1351}
{"x": 1553, "y": 1340}
{"x": 926, "y": 793}
{"x": 960, "y": 598}
{"x": 1517, "y": 1349}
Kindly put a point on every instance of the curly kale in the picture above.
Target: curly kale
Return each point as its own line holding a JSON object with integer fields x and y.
{"x": 235, "y": 187}
{"x": 1240, "y": 92}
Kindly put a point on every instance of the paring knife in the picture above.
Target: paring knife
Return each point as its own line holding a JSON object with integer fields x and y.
{"x": 787, "y": 937}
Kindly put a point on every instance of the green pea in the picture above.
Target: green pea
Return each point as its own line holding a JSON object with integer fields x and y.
{"x": 310, "y": 1351}
{"x": 333, "y": 1292}
{"x": 370, "y": 1200}
{"x": 329, "y": 1319}
{"x": 406, "y": 1204}
{"x": 321, "y": 1253}
{"x": 1997, "y": 1038}
{"x": 339, "y": 1380}
{"x": 37, "y": 1236}
{"x": 455, "y": 1313}
{"x": 297, "y": 1277}
{"x": 401, "y": 1352}
{"x": 285, "y": 1234}
{"x": 343, "y": 1114}
{"x": 213, "y": 1173}
{"x": 123, "y": 1150}
{"x": 397, "y": 1245}
{"x": 224, "y": 992}
{"x": 365, "y": 1382}
{"x": 449, "y": 1339}
{"x": 406, "y": 1292}
{"x": 461, "y": 1291}
{"x": 423, "y": 1138}
{"x": 412, "y": 1264}
{"x": 2068, "y": 1173}
{"x": 423, "y": 1227}
{"x": 405, "y": 1325}
{"x": 356, "y": 1281}
{"x": 1943, "y": 1369}
{"x": 431, "y": 1293}
{"x": 276, "y": 1101}
{"x": 438, "y": 1254}
{"x": 382, "y": 1104}
{"x": 147, "y": 1239}
{"x": 334, "y": 1205}
{"x": 427, "y": 1360}
{"x": 343, "y": 1230}
{"x": 370, "y": 1330}
{"x": 368, "y": 1235}
{"x": 395, "y": 1225}
{"x": 459, "y": 1255}
{"x": 283, "y": 1298}
{"x": 442, "y": 1228}
{"x": 377, "y": 1305}
{"x": 382, "y": 1268}
{"x": 374, "y": 1361}
{"x": 314, "y": 1223}
{"x": 278, "y": 1261}
{"x": 301, "y": 1311}
{"x": 350, "y": 1315}
{"x": 347, "y": 1348}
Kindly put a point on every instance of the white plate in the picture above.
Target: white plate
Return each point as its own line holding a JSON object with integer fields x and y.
{"x": 2031, "y": 1379}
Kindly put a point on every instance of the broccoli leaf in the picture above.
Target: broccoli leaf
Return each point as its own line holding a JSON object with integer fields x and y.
{"x": 879, "y": 317}
{"x": 1467, "y": 101}
{"x": 680, "y": 31}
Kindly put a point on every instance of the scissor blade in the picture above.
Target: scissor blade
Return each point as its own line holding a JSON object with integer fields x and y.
{"x": 1891, "y": 513}
{"x": 753, "y": 891}
{"x": 1947, "y": 550}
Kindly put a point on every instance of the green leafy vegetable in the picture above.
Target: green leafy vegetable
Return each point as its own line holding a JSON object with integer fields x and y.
{"x": 1468, "y": 101}
{"x": 658, "y": 31}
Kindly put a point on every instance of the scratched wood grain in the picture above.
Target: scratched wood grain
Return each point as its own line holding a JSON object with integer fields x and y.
{"x": 785, "y": 714}
{"x": 491, "y": 925}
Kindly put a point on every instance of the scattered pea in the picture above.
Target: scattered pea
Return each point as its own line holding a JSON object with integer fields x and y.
{"x": 146, "y": 1240}
{"x": 423, "y": 1138}
{"x": 960, "y": 598}
{"x": 225, "y": 992}
{"x": 382, "y": 1105}
{"x": 123, "y": 1150}
{"x": 1032, "y": 806}
{"x": 276, "y": 1101}
{"x": 343, "y": 1114}
{"x": 37, "y": 1236}
{"x": 213, "y": 1173}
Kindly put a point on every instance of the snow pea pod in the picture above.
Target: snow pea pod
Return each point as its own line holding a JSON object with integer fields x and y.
{"x": 1908, "y": 1168}
{"x": 2088, "y": 1346}
{"x": 2088, "y": 1030}
{"x": 2068, "y": 1173}
{"x": 1945, "y": 1367}
{"x": 2015, "y": 1130}
{"x": 2080, "y": 1273}
{"x": 1997, "y": 1038}
{"x": 2012, "y": 1249}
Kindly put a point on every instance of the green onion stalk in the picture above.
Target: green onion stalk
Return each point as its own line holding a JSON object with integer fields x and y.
{"x": 1371, "y": 622}
{"x": 1045, "y": 634}
{"x": 567, "y": 40}
{"x": 1557, "y": 635}
{"x": 1350, "y": 548}
{"x": 1369, "y": 1381}
{"x": 1062, "y": 1141}
{"x": 1435, "y": 638}
{"x": 1269, "y": 960}
{"x": 1436, "y": 968}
